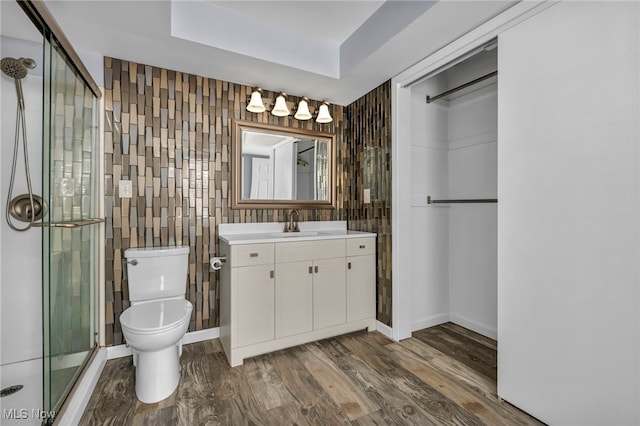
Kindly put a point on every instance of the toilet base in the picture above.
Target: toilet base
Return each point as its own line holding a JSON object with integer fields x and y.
{"x": 157, "y": 374}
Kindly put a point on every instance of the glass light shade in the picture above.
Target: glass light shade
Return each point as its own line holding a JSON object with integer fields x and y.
{"x": 302, "y": 113}
{"x": 280, "y": 109}
{"x": 255, "y": 104}
{"x": 323, "y": 114}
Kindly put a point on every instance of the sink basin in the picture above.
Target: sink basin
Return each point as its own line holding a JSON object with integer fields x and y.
{"x": 294, "y": 234}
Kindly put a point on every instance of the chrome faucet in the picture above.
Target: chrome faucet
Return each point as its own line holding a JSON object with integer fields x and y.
{"x": 292, "y": 226}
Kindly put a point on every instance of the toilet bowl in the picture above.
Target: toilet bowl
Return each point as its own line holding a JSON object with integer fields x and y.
{"x": 157, "y": 319}
{"x": 154, "y": 330}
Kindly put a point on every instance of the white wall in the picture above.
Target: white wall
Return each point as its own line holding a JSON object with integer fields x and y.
{"x": 429, "y": 274}
{"x": 453, "y": 155}
{"x": 20, "y": 263}
{"x": 568, "y": 230}
{"x": 473, "y": 173}
{"x": 283, "y": 161}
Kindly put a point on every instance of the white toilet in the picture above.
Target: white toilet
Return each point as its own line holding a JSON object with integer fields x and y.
{"x": 158, "y": 318}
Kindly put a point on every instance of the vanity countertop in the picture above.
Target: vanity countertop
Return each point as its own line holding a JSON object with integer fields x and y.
{"x": 272, "y": 232}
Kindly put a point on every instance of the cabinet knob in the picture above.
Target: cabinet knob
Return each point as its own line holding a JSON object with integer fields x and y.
{"x": 362, "y": 246}
{"x": 311, "y": 269}
{"x": 253, "y": 254}
{"x": 316, "y": 268}
{"x": 349, "y": 265}
{"x": 271, "y": 274}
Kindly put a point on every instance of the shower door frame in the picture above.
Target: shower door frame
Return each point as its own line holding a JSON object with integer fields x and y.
{"x": 53, "y": 35}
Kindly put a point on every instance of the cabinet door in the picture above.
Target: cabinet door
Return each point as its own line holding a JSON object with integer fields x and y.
{"x": 329, "y": 293}
{"x": 361, "y": 287}
{"x": 294, "y": 297}
{"x": 253, "y": 305}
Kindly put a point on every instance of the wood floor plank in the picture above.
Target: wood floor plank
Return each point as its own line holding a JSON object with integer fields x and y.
{"x": 375, "y": 418}
{"x": 488, "y": 342}
{"x": 441, "y": 361}
{"x": 360, "y": 378}
{"x": 461, "y": 348}
{"x": 427, "y": 397}
{"x": 235, "y": 403}
{"x": 488, "y": 410}
{"x": 358, "y": 346}
{"x": 115, "y": 402}
{"x": 192, "y": 399}
{"x": 165, "y": 416}
{"x": 395, "y": 406}
{"x": 351, "y": 401}
{"x": 313, "y": 402}
{"x": 265, "y": 384}
{"x": 286, "y": 414}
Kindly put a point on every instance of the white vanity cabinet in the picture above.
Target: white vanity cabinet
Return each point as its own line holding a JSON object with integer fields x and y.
{"x": 288, "y": 291}
{"x": 313, "y": 290}
{"x": 361, "y": 272}
{"x": 250, "y": 309}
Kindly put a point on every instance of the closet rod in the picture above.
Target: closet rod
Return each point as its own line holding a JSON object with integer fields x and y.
{"x": 455, "y": 89}
{"x": 473, "y": 200}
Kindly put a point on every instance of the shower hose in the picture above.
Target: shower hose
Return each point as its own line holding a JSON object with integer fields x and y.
{"x": 20, "y": 126}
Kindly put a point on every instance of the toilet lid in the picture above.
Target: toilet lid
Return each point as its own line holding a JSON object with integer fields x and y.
{"x": 155, "y": 315}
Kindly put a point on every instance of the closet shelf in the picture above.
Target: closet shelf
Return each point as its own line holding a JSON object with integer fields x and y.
{"x": 461, "y": 201}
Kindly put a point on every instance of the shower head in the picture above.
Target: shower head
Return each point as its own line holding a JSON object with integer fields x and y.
{"x": 16, "y": 68}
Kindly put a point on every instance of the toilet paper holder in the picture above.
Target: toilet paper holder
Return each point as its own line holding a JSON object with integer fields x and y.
{"x": 217, "y": 261}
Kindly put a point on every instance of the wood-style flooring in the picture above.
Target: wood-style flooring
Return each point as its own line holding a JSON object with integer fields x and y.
{"x": 444, "y": 375}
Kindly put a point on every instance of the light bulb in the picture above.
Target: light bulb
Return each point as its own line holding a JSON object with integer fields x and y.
{"x": 323, "y": 114}
{"x": 302, "y": 113}
{"x": 255, "y": 104}
{"x": 280, "y": 109}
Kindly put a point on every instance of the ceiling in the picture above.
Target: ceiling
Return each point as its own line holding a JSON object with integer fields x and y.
{"x": 326, "y": 50}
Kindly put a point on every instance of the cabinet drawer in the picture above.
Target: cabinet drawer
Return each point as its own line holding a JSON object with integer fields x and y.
{"x": 251, "y": 254}
{"x": 309, "y": 250}
{"x": 361, "y": 246}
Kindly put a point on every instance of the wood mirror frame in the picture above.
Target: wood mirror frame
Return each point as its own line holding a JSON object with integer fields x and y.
{"x": 238, "y": 131}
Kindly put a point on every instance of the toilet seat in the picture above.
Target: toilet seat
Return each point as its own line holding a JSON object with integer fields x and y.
{"x": 156, "y": 317}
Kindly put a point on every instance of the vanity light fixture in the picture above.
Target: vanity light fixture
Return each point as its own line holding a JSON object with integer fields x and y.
{"x": 302, "y": 113}
{"x": 323, "y": 114}
{"x": 255, "y": 104}
{"x": 280, "y": 109}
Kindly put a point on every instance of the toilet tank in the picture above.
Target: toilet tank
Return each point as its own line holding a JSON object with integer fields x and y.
{"x": 158, "y": 272}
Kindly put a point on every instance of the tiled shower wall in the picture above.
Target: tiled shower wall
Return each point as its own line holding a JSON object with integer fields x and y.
{"x": 170, "y": 133}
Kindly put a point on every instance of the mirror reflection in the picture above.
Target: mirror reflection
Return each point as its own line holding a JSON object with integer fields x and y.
{"x": 282, "y": 166}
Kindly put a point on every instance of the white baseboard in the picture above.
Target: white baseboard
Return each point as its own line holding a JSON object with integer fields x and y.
{"x": 83, "y": 390}
{"x": 384, "y": 329}
{"x": 483, "y": 329}
{"x": 430, "y": 321}
{"x": 120, "y": 351}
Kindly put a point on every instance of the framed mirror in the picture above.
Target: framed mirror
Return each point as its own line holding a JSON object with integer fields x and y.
{"x": 281, "y": 167}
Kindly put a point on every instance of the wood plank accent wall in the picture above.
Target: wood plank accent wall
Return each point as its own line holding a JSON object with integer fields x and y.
{"x": 170, "y": 133}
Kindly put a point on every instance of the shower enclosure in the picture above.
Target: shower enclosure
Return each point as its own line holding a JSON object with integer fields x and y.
{"x": 48, "y": 284}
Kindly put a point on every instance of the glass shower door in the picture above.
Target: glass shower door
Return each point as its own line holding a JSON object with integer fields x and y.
{"x": 70, "y": 230}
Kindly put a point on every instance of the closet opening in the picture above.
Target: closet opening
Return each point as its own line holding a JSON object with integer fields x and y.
{"x": 454, "y": 210}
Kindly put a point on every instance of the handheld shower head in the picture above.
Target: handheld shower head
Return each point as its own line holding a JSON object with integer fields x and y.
{"x": 17, "y": 69}
{"x": 14, "y": 68}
